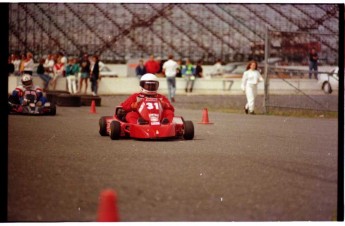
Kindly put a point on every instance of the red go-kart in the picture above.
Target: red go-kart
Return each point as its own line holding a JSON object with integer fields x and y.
{"x": 150, "y": 109}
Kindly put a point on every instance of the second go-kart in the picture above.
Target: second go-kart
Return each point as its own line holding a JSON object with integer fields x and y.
{"x": 30, "y": 107}
{"x": 150, "y": 109}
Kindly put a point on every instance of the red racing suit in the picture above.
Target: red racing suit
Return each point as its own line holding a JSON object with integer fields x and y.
{"x": 130, "y": 105}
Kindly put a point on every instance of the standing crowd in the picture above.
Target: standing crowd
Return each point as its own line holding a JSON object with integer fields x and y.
{"x": 77, "y": 71}
{"x": 171, "y": 69}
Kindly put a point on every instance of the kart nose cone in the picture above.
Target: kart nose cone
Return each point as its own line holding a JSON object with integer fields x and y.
{"x": 152, "y": 132}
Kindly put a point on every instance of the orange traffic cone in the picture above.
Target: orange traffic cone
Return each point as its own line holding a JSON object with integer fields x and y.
{"x": 93, "y": 107}
{"x": 205, "y": 117}
{"x": 107, "y": 210}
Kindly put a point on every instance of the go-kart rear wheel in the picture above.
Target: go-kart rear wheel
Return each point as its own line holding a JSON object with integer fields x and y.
{"x": 13, "y": 99}
{"x": 53, "y": 110}
{"x": 103, "y": 126}
{"x": 188, "y": 133}
{"x": 115, "y": 130}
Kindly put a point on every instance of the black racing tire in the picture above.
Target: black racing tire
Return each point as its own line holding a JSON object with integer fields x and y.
{"x": 86, "y": 100}
{"x": 52, "y": 95}
{"x": 115, "y": 130}
{"x": 14, "y": 100}
{"x": 103, "y": 126}
{"x": 327, "y": 88}
{"x": 9, "y": 108}
{"x": 188, "y": 133}
{"x": 68, "y": 100}
{"x": 53, "y": 110}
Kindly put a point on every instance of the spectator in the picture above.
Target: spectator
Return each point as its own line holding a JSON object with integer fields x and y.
{"x": 170, "y": 70}
{"x": 21, "y": 64}
{"x": 218, "y": 68}
{"x": 28, "y": 64}
{"x": 160, "y": 63}
{"x": 85, "y": 73}
{"x": 94, "y": 74}
{"x": 152, "y": 66}
{"x": 179, "y": 69}
{"x": 16, "y": 62}
{"x": 149, "y": 85}
{"x": 313, "y": 58}
{"x": 140, "y": 69}
{"x": 198, "y": 69}
{"x": 72, "y": 70}
{"x": 41, "y": 73}
{"x": 58, "y": 71}
{"x": 251, "y": 78}
{"x": 197, "y": 74}
{"x": 49, "y": 65}
{"x": 188, "y": 74}
{"x": 63, "y": 59}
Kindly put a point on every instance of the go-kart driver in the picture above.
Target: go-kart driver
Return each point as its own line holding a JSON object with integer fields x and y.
{"x": 149, "y": 85}
{"x": 26, "y": 88}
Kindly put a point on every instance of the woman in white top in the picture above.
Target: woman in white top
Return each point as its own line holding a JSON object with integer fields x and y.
{"x": 28, "y": 64}
{"x": 58, "y": 71}
{"x": 251, "y": 78}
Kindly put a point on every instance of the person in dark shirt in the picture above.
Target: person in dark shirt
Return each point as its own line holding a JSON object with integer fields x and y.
{"x": 94, "y": 74}
{"x": 179, "y": 69}
{"x": 140, "y": 69}
{"x": 313, "y": 58}
{"x": 198, "y": 69}
{"x": 84, "y": 73}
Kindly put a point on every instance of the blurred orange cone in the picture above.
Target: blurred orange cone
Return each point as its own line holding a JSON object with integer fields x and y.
{"x": 93, "y": 107}
{"x": 205, "y": 117}
{"x": 107, "y": 210}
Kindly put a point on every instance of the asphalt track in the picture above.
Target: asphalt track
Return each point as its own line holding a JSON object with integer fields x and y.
{"x": 241, "y": 168}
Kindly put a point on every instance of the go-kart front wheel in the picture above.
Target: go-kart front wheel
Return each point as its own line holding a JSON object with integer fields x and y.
{"x": 103, "y": 126}
{"x": 115, "y": 130}
{"x": 188, "y": 133}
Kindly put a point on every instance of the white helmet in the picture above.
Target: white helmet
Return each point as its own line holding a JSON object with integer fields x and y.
{"x": 26, "y": 81}
{"x": 149, "y": 84}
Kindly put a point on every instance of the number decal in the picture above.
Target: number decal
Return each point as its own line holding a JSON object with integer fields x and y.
{"x": 150, "y": 105}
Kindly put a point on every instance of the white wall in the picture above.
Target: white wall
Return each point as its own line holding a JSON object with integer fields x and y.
{"x": 123, "y": 85}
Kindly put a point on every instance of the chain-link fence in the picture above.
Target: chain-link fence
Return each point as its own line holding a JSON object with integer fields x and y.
{"x": 287, "y": 67}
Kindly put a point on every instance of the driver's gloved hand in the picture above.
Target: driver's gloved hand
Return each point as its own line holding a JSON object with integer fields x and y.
{"x": 165, "y": 121}
{"x": 141, "y": 121}
{"x": 25, "y": 102}
{"x": 135, "y": 105}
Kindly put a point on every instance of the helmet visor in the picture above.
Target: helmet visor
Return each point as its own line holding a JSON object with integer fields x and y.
{"x": 27, "y": 83}
{"x": 149, "y": 85}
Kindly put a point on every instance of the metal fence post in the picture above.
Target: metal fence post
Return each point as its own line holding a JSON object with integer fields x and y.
{"x": 266, "y": 77}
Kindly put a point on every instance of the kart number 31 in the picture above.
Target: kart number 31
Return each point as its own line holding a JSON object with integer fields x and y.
{"x": 151, "y": 106}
